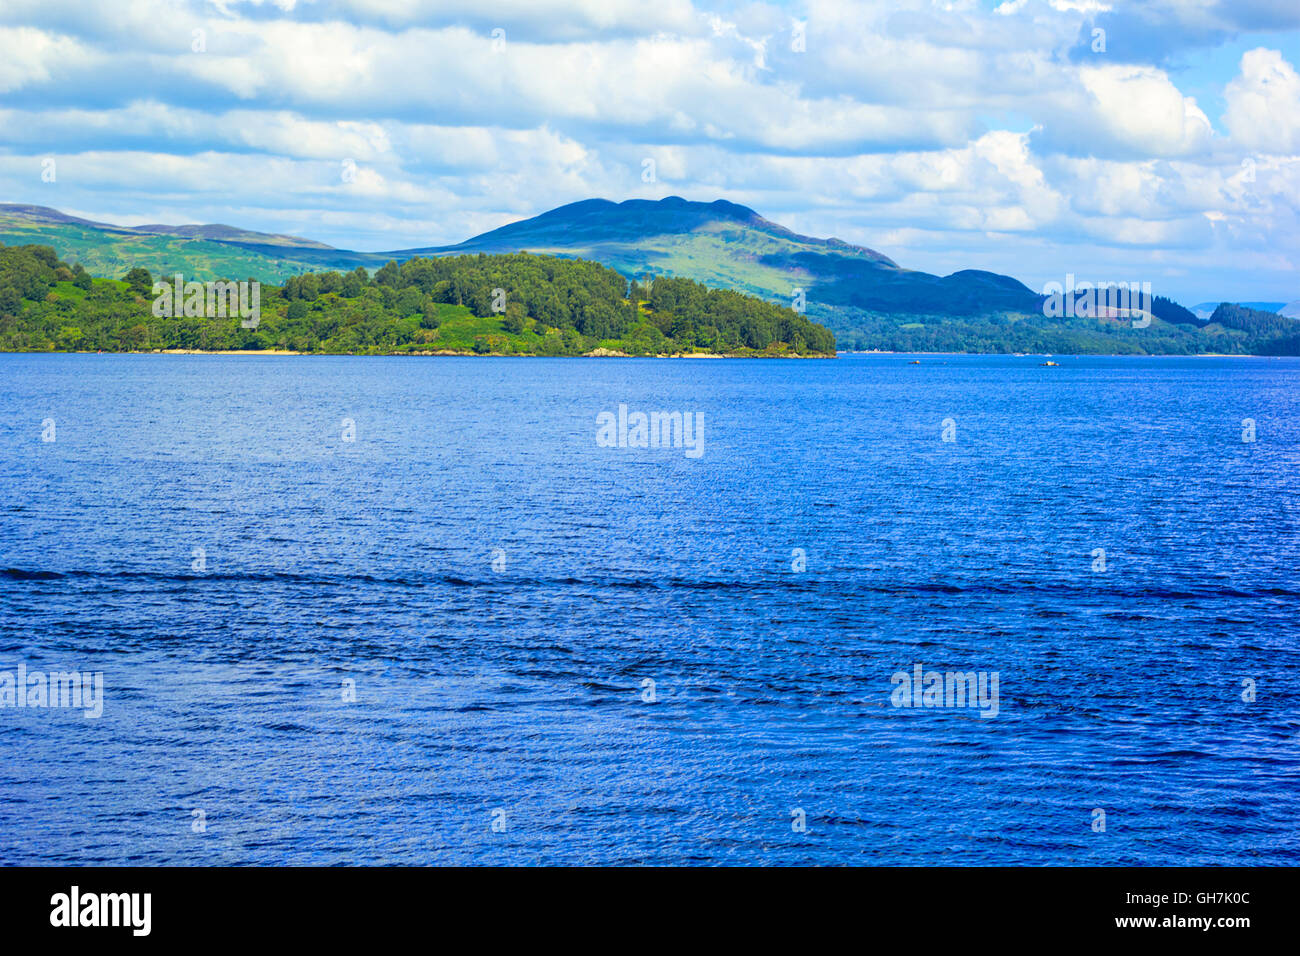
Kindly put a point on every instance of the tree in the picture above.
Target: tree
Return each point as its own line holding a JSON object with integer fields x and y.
{"x": 515, "y": 318}
{"x": 410, "y": 302}
{"x": 139, "y": 280}
{"x": 135, "y": 337}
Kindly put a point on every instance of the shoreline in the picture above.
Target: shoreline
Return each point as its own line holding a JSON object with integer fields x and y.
{"x": 611, "y": 353}
{"x": 1076, "y": 354}
{"x": 595, "y": 353}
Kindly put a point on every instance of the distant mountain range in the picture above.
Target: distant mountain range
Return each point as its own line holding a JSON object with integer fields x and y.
{"x": 869, "y": 300}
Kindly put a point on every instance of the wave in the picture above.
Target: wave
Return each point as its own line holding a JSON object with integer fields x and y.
{"x": 772, "y": 582}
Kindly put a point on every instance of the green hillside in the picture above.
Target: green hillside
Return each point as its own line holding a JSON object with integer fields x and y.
{"x": 108, "y": 251}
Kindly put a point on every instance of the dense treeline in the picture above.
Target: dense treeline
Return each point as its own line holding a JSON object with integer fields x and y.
{"x": 1229, "y": 331}
{"x": 502, "y": 304}
{"x": 1252, "y": 321}
{"x": 682, "y": 308}
{"x": 1171, "y": 311}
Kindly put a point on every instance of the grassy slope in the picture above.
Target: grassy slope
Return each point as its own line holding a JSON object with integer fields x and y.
{"x": 725, "y": 259}
{"x": 112, "y": 254}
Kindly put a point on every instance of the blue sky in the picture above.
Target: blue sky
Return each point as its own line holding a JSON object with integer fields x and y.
{"x": 1010, "y": 136}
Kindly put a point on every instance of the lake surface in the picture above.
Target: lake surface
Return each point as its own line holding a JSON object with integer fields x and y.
{"x": 496, "y": 589}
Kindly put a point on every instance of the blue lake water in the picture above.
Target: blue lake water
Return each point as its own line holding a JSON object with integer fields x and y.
{"x": 496, "y": 589}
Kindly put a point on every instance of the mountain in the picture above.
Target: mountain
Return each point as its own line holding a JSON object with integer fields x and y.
{"x": 202, "y": 252}
{"x": 45, "y": 215}
{"x": 592, "y": 222}
{"x": 722, "y": 243}
{"x": 719, "y": 243}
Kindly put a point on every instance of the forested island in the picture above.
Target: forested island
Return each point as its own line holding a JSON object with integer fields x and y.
{"x": 513, "y": 304}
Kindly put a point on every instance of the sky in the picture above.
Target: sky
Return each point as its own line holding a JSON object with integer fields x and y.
{"x": 1154, "y": 141}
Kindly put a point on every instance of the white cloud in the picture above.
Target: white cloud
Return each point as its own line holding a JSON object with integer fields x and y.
{"x": 29, "y": 56}
{"x": 1263, "y": 104}
{"x": 944, "y": 132}
{"x": 1130, "y": 111}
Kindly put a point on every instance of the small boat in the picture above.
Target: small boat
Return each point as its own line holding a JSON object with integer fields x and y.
{"x": 917, "y": 362}
{"x": 1045, "y": 364}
